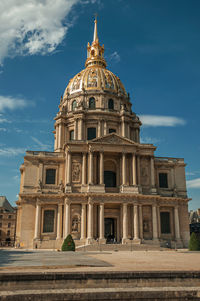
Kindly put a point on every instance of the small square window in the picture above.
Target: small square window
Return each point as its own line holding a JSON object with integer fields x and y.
{"x": 50, "y": 176}
{"x": 9, "y": 216}
{"x": 112, "y": 131}
{"x": 163, "y": 181}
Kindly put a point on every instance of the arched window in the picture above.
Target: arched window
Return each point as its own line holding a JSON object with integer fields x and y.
{"x": 110, "y": 104}
{"x": 92, "y": 103}
{"x": 74, "y": 104}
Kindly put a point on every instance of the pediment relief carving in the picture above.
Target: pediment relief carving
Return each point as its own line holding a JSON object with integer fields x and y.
{"x": 113, "y": 139}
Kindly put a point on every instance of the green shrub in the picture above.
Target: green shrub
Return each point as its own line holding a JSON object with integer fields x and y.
{"x": 68, "y": 244}
{"x": 194, "y": 243}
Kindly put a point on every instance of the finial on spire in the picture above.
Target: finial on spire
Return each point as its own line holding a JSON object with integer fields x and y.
{"x": 95, "y": 38}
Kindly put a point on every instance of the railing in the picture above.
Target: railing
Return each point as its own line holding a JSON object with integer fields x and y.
{"x": 169, "y": 159}
{"x": 44, "y": 153}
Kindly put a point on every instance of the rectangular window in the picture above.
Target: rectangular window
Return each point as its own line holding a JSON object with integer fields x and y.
{"x": 0, "y": 225}
{"x": 50, "y": 176}
{"x": 8, "y": 233}
{"x": 165, "y": 222}
{"x": 48, "y": 224}
{"x": 9, "y": 225}
{"x": 1, "y": 216}
{"x": 91, "y": 133}
{"x": 9, "y": 216}
{"x": 163, "y": 181}
{"x": 71, "y": 135}
{"x": 0, "y": 232}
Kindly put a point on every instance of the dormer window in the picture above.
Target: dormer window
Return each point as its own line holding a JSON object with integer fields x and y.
{"x": 74, "y": 105}
{"x": 110, "y": 104}
{"x": 92, "y": 104}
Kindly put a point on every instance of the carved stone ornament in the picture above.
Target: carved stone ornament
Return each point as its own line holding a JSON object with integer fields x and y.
{"x": 76, "y": 172}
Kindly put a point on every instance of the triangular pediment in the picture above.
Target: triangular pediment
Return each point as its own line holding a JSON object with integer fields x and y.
{"x": 113, "y": 138}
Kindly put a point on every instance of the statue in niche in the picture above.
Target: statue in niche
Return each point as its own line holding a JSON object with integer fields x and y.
{"x": 61, "y": 186}
{"x": 75, "y": 223}
{"x": 76, "y": 172}
{"x": 39, "y": 187}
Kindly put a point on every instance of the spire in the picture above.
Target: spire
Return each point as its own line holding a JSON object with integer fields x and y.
{"x": 95, "y": 38}
{"x": 95, "y": 52}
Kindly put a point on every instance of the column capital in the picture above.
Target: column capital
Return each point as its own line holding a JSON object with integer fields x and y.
{"x": 67, "y": 201}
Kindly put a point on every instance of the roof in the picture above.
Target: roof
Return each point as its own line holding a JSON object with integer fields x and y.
{"x": 5, "y": 204}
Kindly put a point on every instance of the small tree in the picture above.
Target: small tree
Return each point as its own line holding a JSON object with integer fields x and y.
{"x": 194, "y": 243}
{"x": 68, "y": 244}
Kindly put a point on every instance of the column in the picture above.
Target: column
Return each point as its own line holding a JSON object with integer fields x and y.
{"x": 101, "y": 221}
{"x": 37, "y": 221}
{"x": 59, "y": 217}
{"x": 101, "y": 177}
{"x": 90, "y": 167}
{"x": 135, "y": 216}
{"x": 154, "y": 222}
{"x": 80, "y": 132}
{"x": 176, "y": 223}
{"x": 84, "y": 169}
{"x": 138, "y": 170}
{"x": 67, "y": 218}
{"x": 56, "y": 143}
{"x": 83, "y": 221}
{"x": 141, "y": 221}
{"x": 128, "y": 131}
{"x": 123, "y": 169}
{"x": 69, "y": 167}
{"x": 99, "y": 129}
{"x": 123, "y": 127}
{"x": 125, "y": 221}
{"x": 152, "y": 173}
{"x": 134, "y": 169}
{"x": 158, "y": 217}
{"x": 105, "y": 128}
{"x": 90, "y": 220}
{"x": 59, "y": 135}
{"x": 75, "y": 129}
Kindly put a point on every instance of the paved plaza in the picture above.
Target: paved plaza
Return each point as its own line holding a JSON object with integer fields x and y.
{"x": 14, "y": 260}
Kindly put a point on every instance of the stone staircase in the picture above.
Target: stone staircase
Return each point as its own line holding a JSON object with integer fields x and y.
{"x": 145, "y": 246}
{"x": 137, "y": 286}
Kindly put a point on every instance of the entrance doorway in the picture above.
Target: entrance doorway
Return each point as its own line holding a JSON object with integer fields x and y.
{"x": 110, "y": 230}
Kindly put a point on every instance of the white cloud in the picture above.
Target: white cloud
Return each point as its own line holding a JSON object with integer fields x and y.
{"x": 11, "y": 151}
{"x": 149, "y": 140}
{"x": 157, "y": 120}
{"x": 40, "y": 144}
{"x": 11, "y": 103}
{"x": 195, "y": 183}
{"x": 33, "y": 26}
{"x": 114, "y": 57}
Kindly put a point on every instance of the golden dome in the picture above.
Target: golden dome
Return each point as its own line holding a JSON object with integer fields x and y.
{"x": 95, "y": 77}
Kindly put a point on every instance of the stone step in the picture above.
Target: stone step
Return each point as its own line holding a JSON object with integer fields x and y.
{"x": 120, "y": 247}
{"x": 137, "y": 294}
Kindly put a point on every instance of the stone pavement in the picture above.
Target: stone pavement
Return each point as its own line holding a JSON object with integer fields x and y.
{"x": 15, "y": 260}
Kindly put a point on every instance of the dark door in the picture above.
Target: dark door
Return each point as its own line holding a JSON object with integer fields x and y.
{"x": 110, "y": 230}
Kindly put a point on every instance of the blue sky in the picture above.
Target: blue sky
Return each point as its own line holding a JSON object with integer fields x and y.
{"x": 152, "y": 45}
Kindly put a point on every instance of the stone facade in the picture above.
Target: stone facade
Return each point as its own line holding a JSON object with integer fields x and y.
{"x": 100, "y": 184}
{"x": 8, "y": 216}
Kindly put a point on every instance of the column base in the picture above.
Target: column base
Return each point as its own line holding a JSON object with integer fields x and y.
{"x": 68, "y": 188}
{"x": 125, "y": 241}
{"x": 90, "y": 241}
{"x": 136, "y": 241}
{"x": 129, "y": 189}
{"x": 102, "y": 241}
